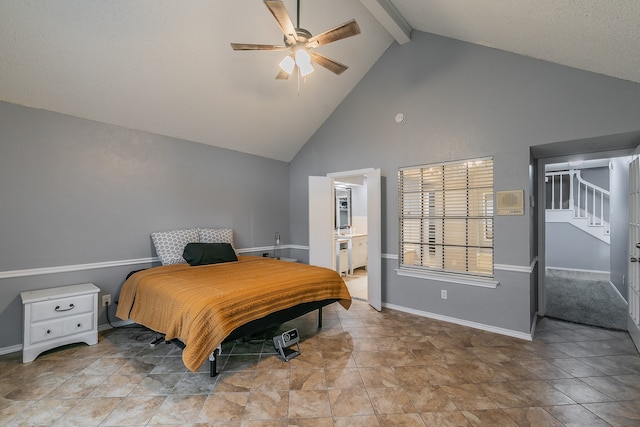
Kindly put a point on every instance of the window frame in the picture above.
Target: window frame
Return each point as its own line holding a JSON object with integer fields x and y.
{"x": 480, "y": 200}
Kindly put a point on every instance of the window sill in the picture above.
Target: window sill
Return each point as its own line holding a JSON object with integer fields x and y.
{"x": 451, "y": 278}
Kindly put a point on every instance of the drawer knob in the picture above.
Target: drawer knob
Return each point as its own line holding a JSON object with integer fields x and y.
{"x": 48, "y": 331}
{"x": 71, "y": 306}
{"x": 79, "y": 325}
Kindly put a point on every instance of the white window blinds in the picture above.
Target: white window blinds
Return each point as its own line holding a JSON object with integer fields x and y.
{"x": 446, "y": 217}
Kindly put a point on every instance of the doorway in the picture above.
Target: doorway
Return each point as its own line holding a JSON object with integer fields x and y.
{"x": 583, "y": 284}
{"x": 352, "y": 247}
{"x": 350, "y": 219}
{"x": 624, "y": 263}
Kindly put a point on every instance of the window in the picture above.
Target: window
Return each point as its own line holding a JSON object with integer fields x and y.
{"x": 446, "y": 217}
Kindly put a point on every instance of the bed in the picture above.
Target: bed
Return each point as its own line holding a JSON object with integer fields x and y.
{"x": 200, "y": 306}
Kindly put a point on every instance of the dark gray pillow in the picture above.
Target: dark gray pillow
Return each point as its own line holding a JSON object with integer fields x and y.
{"x": 209, "y": 253}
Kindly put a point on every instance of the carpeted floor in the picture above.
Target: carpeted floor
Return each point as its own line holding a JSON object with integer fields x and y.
{"x": 357, "y": 284}
{"x": 588, "y": 300}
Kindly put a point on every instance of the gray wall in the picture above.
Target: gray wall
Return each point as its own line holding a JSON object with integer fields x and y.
{"x": 599, "y": 176}
{"x": 74, "y": 191}
{"x": 569, "y": 247}
{"x": 461, "y": 101}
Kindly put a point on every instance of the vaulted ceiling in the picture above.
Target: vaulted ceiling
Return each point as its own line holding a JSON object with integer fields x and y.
{"x": 166, "y": 67}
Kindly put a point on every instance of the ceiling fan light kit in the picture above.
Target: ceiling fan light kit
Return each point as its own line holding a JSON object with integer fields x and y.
{"x": 287, "y": 64}
{"x": 300, "y": 42}
{"x": 303, "y": 61}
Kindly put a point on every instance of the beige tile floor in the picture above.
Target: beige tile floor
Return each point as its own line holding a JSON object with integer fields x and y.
{"x": 362, "y": 369}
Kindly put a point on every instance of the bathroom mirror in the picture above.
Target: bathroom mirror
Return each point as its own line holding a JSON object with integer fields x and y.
{"x": 343, "y": 207}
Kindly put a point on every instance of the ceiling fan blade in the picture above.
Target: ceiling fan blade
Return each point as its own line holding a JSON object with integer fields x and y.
{"x": 348, "y": 29}
{"x": 251, "y": 46}
{"x": 328, "y": 63}
{"x": 277, "y": 9}
{"x": 282, "y": 75}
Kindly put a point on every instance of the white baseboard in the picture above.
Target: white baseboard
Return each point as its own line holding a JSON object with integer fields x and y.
{"x": 634, "y": 332}
{"x": 10, "y": 349}
{"x": 578, "y": 270}
{"x": 106, "y": 326}
{"x": 116, "y": 324}
{"x": 475, "y": 325}
{"x": 462, "y": 322}
{"x": 535, "y": 322}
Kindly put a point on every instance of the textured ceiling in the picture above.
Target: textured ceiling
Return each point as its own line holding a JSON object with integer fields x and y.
{"x": 602, "y": 36}
{"x": 165, "y": 66}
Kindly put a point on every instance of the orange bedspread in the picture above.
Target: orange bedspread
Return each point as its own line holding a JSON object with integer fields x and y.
{"x": 202, "y": 305}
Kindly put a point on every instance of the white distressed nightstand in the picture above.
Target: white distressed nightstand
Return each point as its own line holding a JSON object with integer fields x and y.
{"x": 59, "y": 316}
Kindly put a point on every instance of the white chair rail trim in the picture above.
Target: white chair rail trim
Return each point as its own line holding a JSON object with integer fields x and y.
{"x": 105, "y": 264}
{"x": 9, "y": 274}
{"x": 459, "y": 279}
{"x": 76, "y": 267}
{"x": 528, "y": 269}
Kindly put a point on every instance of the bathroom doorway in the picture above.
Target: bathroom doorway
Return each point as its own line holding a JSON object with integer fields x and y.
{"x": 352, "y": 248}
{"x": 350, "y": 233}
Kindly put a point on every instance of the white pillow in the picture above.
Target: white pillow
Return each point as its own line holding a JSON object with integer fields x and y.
{"x": 216, "y": 235}
{"x": 170, "y": 244}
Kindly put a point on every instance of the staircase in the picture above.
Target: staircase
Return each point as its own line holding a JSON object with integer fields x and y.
{"x": 573, "y": 200}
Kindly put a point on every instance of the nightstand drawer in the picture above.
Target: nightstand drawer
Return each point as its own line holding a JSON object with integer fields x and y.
{"x": 62, "y": 307}
{"x": 43, "y": 332}
{"x": 78, "y": 324}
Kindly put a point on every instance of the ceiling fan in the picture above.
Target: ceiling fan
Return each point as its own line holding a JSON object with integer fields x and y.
{"x": 301, "y": 43}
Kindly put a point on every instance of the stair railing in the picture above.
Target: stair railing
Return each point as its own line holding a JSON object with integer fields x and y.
{"x": 561, "y": 190}
{"x": 591, "y": 201}
{"x": 569, "y": 191}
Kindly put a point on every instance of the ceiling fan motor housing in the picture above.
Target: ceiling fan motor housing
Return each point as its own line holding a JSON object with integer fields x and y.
{"x": 303, "y": 36}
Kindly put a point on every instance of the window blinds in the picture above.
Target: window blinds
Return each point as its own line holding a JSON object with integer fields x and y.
{"x": 446, "y": 217}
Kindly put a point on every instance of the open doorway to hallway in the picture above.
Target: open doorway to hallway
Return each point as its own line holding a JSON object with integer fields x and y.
{"x": 586, "y": 216}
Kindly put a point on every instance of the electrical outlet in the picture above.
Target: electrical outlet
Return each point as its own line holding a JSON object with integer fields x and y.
{"x": 106, "y": 300}
{"x": 443, "y": 293}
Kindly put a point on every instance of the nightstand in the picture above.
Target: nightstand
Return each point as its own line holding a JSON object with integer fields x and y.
{"x": 59, "y": 316}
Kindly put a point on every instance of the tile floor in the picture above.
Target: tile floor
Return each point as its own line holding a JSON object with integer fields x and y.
{"x": 362, "y": 369}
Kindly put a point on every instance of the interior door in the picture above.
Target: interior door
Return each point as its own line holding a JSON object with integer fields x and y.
{"x": 374, "y": 231}
{"x": 321, "y": 207}
{"x": 634, "y": 251}
{"x": 321, "y": 227}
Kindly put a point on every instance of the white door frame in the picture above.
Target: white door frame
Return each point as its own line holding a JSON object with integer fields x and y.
{"x": 633, "y": 268}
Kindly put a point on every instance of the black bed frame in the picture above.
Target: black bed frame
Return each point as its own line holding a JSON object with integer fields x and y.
{"x": 259, "y": 325}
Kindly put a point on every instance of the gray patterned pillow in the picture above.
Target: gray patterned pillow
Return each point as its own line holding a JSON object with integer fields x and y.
{"x": 216, "y": 235}
{"x": 170, "y": 244}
